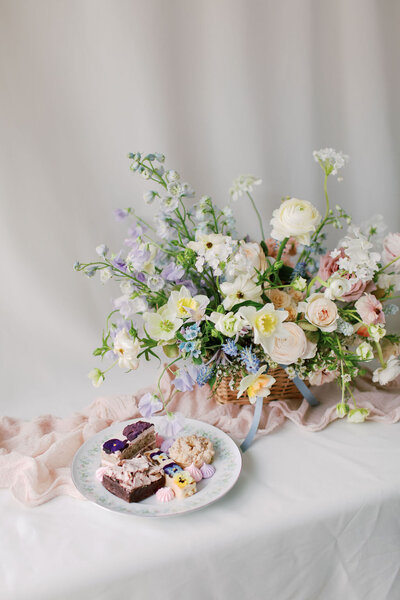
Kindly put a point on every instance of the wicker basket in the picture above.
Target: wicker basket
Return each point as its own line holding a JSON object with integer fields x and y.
{"x": 283, "y": 389}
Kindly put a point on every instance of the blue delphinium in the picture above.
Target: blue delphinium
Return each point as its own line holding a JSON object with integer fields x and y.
{"x": 250, "y": 360}
{"x": 230, "y": 348}
{"x": 299, "y": 270}
{"x": 204, "y": 374}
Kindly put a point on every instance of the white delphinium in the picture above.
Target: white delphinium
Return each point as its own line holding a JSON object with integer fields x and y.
{"x": 127, "y": 350}
{"x": 374, "y": 228}
{"x": 358, "y": 259}
{"x": 330, "y": 160}
{"x": 247, "y": 260}
{"x": 213, "y": 249}
{"x": 105, "y": 275}
{"x": 242, "y": 185}
{"x": 241, "y": 289}
{"x": 384, "y": 375}
{"x": 169, "y": 203}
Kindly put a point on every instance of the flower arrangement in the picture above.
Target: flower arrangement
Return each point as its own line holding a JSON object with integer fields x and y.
{"x": 218, "y": 306}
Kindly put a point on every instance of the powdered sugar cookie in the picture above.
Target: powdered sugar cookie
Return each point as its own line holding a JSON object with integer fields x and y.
{"x": 192, "y": 449}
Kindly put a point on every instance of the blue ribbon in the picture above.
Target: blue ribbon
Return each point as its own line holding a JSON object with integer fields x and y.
{"x": 303, "y": 389}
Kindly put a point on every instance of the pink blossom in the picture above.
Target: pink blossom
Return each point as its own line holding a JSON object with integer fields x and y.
{"x": 322, "y": 376}
{"x": 370, "y": 309}
{"x": 391, "y": 250}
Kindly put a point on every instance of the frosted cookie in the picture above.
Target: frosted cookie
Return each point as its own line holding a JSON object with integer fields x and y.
{"x": 192, "y": 449}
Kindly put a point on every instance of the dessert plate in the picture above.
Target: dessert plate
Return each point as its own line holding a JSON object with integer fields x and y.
{"x": 227, "y": 461}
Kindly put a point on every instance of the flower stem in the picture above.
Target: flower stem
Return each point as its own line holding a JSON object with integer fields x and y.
{"x": 161, "y": 396}
{"x": 281, "y": 248}
{"x": 380, "y": 355}
{"x": 388, "y": 265}
{"x": 258, "y": 216}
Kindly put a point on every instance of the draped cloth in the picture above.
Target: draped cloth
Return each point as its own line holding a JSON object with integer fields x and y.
{"x": 36, "y": 455}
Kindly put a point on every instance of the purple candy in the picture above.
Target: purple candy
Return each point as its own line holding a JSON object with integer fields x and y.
{"x": 114, "y": 445}
{"x": 132, "y": 431}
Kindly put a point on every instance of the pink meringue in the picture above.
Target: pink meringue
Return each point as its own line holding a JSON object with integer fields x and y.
{"x": 100, "y": 472}
{"x": 159, "y": 440}
{"x": 207, "y": 471}
{"x": 165, "y": 494}
{"x": 194, "y": 472}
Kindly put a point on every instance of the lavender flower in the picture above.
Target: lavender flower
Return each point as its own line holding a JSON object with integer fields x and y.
{"x": 172, "y": 272}
{"x": 186, "y": 378}
{"x": 120, "y": 214}
{"x": 230, "y": 348}
{"x": 250, "y": 360}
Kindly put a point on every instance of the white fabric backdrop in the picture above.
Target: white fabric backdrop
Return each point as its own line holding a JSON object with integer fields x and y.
{"x": 222, "y": 88}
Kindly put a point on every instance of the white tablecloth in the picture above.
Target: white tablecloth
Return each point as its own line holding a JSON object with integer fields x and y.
{"x": 314, "y": 516}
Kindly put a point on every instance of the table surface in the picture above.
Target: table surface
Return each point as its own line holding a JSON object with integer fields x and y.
{"x": 314, "y": 516}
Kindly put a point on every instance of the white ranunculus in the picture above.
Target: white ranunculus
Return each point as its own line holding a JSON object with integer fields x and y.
{"x": 229, "y": 324}
{"x": 295, "y": 218}
{"x": 163, "y": 324}
{"x": 266, "y": 324}
{"x": 365, "y": 351}
{"x": 127, "y": 350}
{"x": 384, "y": 375}
{"x": 240, "y": 290}
{"x": 320, "y": 311}
{"x": 338, "y": 287}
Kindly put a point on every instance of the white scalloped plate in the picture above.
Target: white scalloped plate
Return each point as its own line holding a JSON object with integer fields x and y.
{"x": 227, "y": 461}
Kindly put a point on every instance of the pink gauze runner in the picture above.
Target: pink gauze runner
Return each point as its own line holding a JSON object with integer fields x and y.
{"x": 35, "y": 456}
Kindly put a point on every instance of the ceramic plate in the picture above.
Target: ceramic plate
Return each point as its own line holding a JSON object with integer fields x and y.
{"x": 227, "y": 461}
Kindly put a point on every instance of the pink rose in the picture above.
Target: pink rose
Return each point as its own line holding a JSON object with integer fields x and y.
{"x": 370, "y": 309}
{"x": 322, "y": 376}
{"x": 289, "y": 349}
{"x": 391, "y": 250}
{"x": 320, "y": 311}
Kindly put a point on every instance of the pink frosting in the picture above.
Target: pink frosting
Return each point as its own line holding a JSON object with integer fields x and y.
{"x": 207, "y": 471}
{"x": 194, "y": 472}
{"x": 165, "y": 494}
{"x": 159, "y": 440}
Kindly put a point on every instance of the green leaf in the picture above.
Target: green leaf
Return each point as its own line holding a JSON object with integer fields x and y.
{"x": 257, "y": 305}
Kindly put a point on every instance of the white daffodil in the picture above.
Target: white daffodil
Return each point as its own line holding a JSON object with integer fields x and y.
{"x": 127, "y": 350}
{"x": 384, "y": 375}
{"x": 337, "y": 287}
{"x": 257, "y": 385}
{"x": 239, "y": 290}
{"x": 266, "y": 324}
{"x": 229, "y": 324}
{"x": 184, "y": 306}
{"x": 163, "y": 324}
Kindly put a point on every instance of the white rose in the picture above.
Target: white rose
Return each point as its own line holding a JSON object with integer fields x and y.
{"x": 295, "y": 218}
{"x": 127, "y": 350}
{"x": 387, "y": 374}
{"x": 286, "y": 351}
{"x": 320, "y": 311}
{"x": 229, "y": 324}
